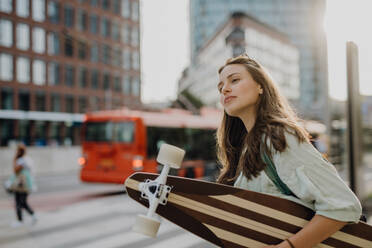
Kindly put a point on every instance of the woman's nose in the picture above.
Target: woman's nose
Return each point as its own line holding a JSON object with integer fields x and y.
{"x": 225, "y": 89}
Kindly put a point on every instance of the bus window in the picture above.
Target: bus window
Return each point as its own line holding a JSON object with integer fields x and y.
{"x": 110, "y": 131}
{"x": 98, "y": 131}
{"x": 124, "y": 132}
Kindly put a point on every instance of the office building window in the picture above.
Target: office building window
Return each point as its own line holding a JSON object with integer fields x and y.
{"x": 125, "y": 35}
{"x": 53, "y": 43}
{"x": 6, "y": 98}
{"x": 94, "y": 103}
{"x": 83, "y": 104}
{"x": 23, "y": 70}
{"x": 126, "y": 85}
{"x": 54, "y": 73}
{"x": 106, "y": 4}
{"x": 38, "y": 10}
{"x": 23, "y": 36}
{"x": 135, "y": 60}
{"x": 94, "y": 77}
{"x": 69, "y": 75}
{"x": 94, "y": 3}
{"x": 40, "y": 101}
{"x": 105, "y": 27}
{"x": 116, "y": 56}
{"x": 106, "y": 51}
{"x": 56, "y": 103}
{"x": 117, "y": 84}
{"x": 53, "y": 12}
{"x": 40, "y": 134}
{"x": 38, "y": 40}
{"x": 69, "y": 104}
{"x": 6, "y": 6}
{"x": 116, "y": 6}
{"x": 115, "y": 31}
{"x": 93, "y": 24}
{"x": 135, "y": 37}
{"x": 106, "y": 81}
{"x": 94, "y": 52}
{"x": 38, "y": 72}
{"x": 82, "y": 50}
{"x": 24, "y": 100}
{"x": 135, "y": 11}
{"x": 125, "y": 8}
{"x": 135, "y": 86}
{"x": 6, "y": 67}
{"x": 126, "y": 59}
{"x": 69, "y": 16}
{"x": 69, "y": 46}
{"x": 6, "y": 31}
{"x": 22, "y": 8}
{"x": 83, "y": 77}
{"x": 82, "y": 20}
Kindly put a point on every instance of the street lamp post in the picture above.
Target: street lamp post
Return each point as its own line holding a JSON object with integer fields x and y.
{"x": 353, "y": 116}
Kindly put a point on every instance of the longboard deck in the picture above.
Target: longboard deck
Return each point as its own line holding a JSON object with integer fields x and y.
{"x": 231, "y": 217}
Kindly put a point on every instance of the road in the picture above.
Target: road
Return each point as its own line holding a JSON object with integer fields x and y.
{"x": 79, "y": 215}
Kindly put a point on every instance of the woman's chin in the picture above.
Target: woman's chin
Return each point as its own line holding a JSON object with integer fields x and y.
{"x": 231, "y": 112}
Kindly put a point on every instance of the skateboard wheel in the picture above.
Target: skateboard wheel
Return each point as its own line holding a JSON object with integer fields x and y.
{"x": 147, "y": 226}
{"x": 170, "y": 155}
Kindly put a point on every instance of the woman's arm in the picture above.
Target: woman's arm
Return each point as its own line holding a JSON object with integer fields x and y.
{"x": 16, "y": 167}
{"x": 318, "y": 229}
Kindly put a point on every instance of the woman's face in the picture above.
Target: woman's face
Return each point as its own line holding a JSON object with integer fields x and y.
{"x": 239, "y": 93}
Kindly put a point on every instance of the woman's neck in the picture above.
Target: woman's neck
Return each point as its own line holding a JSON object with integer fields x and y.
{"x": 249, "y": 119}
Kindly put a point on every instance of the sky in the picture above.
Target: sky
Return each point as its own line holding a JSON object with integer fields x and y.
{"x": 166, "y": 50}
{"x": 165, "y": 47}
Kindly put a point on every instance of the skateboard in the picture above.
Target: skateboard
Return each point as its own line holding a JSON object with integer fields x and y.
{"x": 223, "y": 215}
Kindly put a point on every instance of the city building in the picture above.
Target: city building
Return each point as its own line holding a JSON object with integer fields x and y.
{"x": 301, "y": 20}
{"x": 60, "y": 59}
{"x": 242, "y": 33}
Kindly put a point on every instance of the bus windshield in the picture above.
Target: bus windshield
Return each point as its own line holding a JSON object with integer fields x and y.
{"x": 109, "y": 132}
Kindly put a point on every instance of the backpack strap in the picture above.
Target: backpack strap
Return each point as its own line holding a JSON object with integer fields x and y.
{"x": 271, "y": 173}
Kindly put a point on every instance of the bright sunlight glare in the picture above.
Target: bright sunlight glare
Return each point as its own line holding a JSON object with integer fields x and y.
{"x": 347, "y": 20}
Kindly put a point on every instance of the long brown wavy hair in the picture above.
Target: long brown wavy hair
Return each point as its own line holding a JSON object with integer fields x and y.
{"x": 238, "y": 150}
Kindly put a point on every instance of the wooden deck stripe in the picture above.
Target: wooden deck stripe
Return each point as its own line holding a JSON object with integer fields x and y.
{"x": 235, "y": 238}
{"x": 244, "y": 212}
{"x": 244, "y": 231}
{"x": 233, "y": 218}
{"x": 345, "y": 237}
{"x": 273, "y": 213}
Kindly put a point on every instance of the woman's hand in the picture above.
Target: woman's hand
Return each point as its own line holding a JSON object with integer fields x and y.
{"x": 283, "y": 244}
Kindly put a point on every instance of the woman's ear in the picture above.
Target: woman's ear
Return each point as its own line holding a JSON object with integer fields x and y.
{"x": 260, "y": 90}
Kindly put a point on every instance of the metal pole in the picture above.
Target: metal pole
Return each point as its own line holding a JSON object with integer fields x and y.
{"x": 353, "y": 114}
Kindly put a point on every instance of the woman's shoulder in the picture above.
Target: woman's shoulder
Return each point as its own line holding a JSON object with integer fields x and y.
{"x": 292, "y": 140}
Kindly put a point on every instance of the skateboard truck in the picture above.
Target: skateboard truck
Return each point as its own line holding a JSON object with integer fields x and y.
{"x": 156, "y": 191}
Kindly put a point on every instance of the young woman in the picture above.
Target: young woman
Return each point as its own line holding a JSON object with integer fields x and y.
{"x": 22, "y": 186}
{"x": 257, "y": 121}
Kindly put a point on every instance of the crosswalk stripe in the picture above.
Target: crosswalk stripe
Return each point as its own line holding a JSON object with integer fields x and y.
{"x": 126, "y": 238}
{"x": 188, "y": 240}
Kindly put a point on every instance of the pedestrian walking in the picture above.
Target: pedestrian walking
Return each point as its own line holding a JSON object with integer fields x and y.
{"x": 260, "y": 132}
{"x": 22, "y": 185}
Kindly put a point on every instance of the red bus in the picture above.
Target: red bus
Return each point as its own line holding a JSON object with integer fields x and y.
{"x": 117, "y": 143}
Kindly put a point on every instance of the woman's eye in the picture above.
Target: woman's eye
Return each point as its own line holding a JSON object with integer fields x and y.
{"x": 235, "y": 80}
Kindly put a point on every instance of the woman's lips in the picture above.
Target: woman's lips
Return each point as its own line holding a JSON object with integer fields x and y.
{"x": 229, "y": 99}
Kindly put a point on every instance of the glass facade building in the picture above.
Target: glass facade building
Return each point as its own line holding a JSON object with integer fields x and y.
{"x": 301, "y": 20}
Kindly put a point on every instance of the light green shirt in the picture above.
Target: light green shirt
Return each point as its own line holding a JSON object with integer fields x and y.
{"x": 312, "y": 179}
